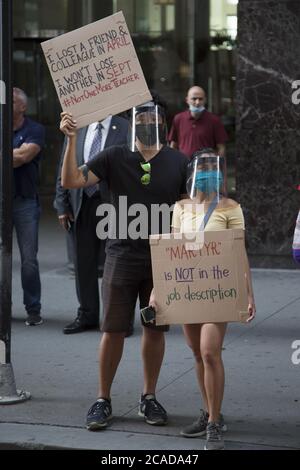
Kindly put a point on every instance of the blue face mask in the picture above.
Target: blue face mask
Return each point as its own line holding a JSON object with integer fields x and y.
{"x": 195, "y": 109}
{"x": 209, "y": 181}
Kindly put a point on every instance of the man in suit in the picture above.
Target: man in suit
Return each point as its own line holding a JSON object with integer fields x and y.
{"x": 76, "y": 210}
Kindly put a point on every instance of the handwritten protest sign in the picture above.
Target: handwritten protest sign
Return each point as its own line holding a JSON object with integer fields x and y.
{"x": 96, "y": 71}
{"x": 203, "y": 285}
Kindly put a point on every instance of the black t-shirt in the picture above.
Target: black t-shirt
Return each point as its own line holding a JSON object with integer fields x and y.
{"x": 122, "y": 170}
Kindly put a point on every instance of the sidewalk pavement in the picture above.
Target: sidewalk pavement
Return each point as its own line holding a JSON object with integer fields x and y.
{"x": 262, "y": 394}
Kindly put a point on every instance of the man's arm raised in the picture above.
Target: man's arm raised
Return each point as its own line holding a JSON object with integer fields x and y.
{"x": 73, "y": 176}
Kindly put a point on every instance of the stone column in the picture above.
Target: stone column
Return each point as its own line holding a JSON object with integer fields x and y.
{"x": 268, "y": 123}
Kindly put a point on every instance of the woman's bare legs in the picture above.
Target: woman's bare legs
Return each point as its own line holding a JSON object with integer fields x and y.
{"x": 206, "y": 341}
{"x": 192, "y": 335}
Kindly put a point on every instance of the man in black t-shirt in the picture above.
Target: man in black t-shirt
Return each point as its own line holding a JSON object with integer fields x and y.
{"x": 140, "y": 178}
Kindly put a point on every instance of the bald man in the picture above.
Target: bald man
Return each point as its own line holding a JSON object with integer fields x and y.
{"x": 28, "y": 142}
{"x": 197, "y": 128}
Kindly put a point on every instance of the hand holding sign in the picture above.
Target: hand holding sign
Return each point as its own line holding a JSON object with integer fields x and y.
{"x": 251, "y": 310}
{"x": 68, "y": 125}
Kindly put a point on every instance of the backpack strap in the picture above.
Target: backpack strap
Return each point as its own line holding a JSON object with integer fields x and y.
{"x": 210, "y": 210}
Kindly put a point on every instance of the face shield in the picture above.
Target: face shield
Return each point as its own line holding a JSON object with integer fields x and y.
{"x": 206, "y": 176}
{"x": 148, "y": 127}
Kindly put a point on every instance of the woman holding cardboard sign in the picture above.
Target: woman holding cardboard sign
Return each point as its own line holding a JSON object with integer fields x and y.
{"x": 208, "y": 209}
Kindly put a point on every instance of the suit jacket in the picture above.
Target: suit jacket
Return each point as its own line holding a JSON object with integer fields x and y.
{"x": 69, "y": 200}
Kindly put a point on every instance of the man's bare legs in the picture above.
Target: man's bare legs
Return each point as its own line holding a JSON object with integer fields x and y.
{"x": 153, "y": 349}
{"x": 110, "y": 354}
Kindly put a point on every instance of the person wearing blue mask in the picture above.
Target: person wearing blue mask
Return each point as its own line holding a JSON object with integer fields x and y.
{"x": 209, "y": 181}
{"x": 196, "y": 127}
{"x": 208, "y": 209}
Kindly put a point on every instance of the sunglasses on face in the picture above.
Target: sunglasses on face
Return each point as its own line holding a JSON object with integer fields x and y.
{"x": 146, "y": 178}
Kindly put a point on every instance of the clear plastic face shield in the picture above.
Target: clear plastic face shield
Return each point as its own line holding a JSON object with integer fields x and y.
{"x": 148, "y": 127}
{"x": 206, "y": 176}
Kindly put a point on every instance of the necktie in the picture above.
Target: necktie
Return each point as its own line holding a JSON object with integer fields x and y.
{"x": 94, "y": 151}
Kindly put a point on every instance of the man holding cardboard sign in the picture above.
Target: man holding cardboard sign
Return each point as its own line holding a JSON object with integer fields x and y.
{"x": 148, "y": 173}
{"x": 207, "y": 282}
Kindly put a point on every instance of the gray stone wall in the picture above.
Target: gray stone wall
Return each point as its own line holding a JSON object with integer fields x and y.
{"x": 268, "y": 123}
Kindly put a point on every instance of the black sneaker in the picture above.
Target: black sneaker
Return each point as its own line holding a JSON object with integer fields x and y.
{"x": 99, "y": 414}
{"x": 152, "y": 411}
{"x": 33, "y": 320}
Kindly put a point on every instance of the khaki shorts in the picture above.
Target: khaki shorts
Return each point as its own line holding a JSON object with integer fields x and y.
{"x": 124, "y": 281}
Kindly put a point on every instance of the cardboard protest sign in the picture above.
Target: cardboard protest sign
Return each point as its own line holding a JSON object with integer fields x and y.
{"x": 196, "y": 283}
{"x": 96, "y": 71}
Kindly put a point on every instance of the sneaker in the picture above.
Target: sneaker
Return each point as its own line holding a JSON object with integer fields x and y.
{"x": 33, "y": 320}
{"x": 198, "y": 428}
{"x": 152, "y": 411}
{"x": 99, "y": 414}
{"x": 222, "y": 424}
{"x": 214, "y": 438}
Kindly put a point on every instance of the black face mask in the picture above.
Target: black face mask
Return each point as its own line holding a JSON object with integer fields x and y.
{"x": 146, "y": 133}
